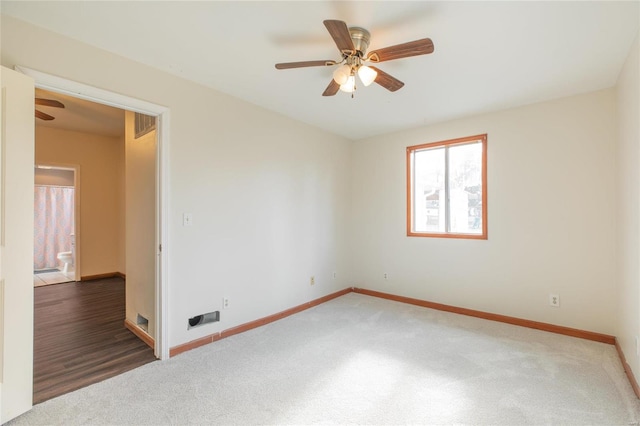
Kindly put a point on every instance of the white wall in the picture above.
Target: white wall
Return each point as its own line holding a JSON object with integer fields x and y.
{"x": 269, "y": 195}
{"x": 140, "y": 217}
{"x": 100, "y": 160}
{"x": 272, "y": 198}
{"x": 628, "y": 203}
{"x": 550, "y": 216}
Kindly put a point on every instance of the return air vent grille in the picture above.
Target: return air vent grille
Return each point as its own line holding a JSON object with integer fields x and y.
{"x": 144, "y": 124}
{"x": 203, "y": 319}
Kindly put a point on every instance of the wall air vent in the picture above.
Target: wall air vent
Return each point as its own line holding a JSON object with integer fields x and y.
{"x": 144, "y": 124}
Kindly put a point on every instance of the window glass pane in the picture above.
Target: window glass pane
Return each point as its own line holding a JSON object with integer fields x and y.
{"x": 465, "y": 184}
{"x": 429, "y": 191}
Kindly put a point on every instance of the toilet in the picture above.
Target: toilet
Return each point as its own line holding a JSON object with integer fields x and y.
{"x": 67, "y": 256}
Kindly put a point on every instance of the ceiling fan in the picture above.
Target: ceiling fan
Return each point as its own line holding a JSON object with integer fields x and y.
{"x": 50, "y": 103}
{"x": 352, "y": 43}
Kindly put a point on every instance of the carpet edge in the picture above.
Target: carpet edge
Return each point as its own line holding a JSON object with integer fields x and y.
{"x": 627, "y": 369}
{"x": 176, "y": 350}
{"x": 552, "y": 328}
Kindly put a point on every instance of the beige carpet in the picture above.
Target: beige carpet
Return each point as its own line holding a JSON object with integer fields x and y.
{"x": 363, "y": 360}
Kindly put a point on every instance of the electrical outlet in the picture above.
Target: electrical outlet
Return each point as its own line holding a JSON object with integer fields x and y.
{"x": 225, "y": 303}
{"x": 334, "y": 275}
{"x": 187, "y": 219}
{"x": 312, "y": 281}
{"x": 554, "y": 300}
{"x": 385, "y": 276}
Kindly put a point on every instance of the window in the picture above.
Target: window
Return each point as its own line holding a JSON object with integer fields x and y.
{"x": 447, "y": 189}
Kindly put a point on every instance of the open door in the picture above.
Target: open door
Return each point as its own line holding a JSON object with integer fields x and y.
{"x": 16, "y": 243}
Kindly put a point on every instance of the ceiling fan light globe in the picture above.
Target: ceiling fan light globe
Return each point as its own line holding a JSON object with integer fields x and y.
{"x": 341, "y": 74}
{"x": 367, "y": 75}
{"x": 350, "y": 85}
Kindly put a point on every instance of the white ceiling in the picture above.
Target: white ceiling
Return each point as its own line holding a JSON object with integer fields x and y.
{"x": 488, "y": 55}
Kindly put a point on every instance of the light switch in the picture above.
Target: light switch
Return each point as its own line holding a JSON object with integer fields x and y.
{"x": 187, "y": 219}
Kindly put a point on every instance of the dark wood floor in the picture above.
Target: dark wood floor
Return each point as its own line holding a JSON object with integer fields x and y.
{"x": 80, "y": 337}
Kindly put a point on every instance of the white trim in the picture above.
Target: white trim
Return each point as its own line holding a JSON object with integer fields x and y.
{"x": 3, "y": 156}
{"x": 90, "y": 93}
{"x": 79, "y": 90}
{"x": 162, "y": 271}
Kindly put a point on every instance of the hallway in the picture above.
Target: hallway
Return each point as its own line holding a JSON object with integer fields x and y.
{"x": 80, "y": 338}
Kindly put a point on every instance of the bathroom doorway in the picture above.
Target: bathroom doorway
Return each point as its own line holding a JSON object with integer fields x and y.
{"x": 56, "y": 202}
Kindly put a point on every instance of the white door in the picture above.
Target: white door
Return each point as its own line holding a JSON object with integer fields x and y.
{"x": 16, "y": 244}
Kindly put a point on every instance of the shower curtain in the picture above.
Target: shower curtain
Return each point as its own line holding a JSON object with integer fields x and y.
{"x": 54, "y": 207}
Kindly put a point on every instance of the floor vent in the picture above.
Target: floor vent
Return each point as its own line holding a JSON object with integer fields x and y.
{"x": 143, "y": 323}
{"x": 203, "y": 319}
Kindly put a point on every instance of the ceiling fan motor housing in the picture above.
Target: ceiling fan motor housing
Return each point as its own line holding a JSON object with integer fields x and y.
{"x": 361, "y": 39}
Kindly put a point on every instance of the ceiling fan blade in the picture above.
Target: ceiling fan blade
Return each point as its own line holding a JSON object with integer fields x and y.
{"x": 42, "y": 116}
{"x": 340, "y": 34}
{"x": 331, "y": 89}
{"x": 303, "y": 64}
{"x": 49, "y": 102}
{"x": 387, "y": 81}
{"x": 404, "y": 50}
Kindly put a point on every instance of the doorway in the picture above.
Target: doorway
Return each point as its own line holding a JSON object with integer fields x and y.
{"x": 56, "y": 203}
{"x": 82, "y": 91}
{"x": 17, "y": 141}
{"x": 93, "y": 137}
{"x": 131, "y": 151}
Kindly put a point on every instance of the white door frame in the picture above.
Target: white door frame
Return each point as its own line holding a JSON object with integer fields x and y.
{"x": 79, "y": 90}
